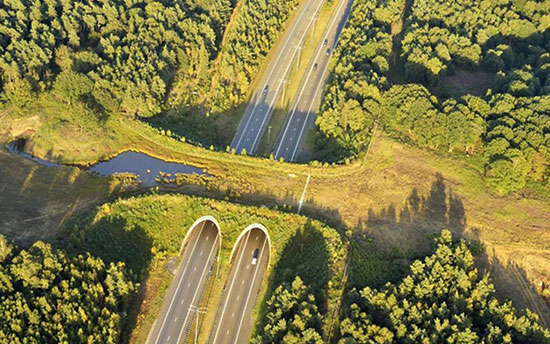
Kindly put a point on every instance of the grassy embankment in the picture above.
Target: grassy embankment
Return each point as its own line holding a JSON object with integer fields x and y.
{"x": 395, "y": 198}
{"x": 144, "y": 231}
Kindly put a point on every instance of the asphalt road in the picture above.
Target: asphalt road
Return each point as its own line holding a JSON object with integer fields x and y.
{"x": 261, "y": 106}
{"x": 234, "y": 323}
{"x": 301, "y": 117}
{"x": 176, "y": 315}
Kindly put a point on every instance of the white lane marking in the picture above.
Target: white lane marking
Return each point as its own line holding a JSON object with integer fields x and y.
{"x": 285, "y": 73}
{"x": 233, "y": 314}
{"x": 250, "y": 291}
{"x": 197, "y": 289}
{"x": 231, "y": 288}
{"x": 314, "y": 96}
{"x": 238, "y": 297}
{"x": 178, "y": 287}
{"x": 194, "y": 269}
{"x": 175, "y": 319}
{"x": 256, "y": 237}
{"x": 247, "y": 267}
{"x": 242, "y": 282}
{"x": 168, "y": 339}
{"x": 201, "y": 253}
{"x": 227, "y": 332}
{"x": 306, "y": 83}
{"x": 207, "y": 237}
{"x": 181, "y": 303}
{"x": 281, "y": 53}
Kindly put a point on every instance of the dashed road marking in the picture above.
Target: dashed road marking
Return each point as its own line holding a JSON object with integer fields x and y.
{"x": 175, "y": 319}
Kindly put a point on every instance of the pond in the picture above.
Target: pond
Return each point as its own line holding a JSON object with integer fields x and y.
{"x": 145, "y": 167}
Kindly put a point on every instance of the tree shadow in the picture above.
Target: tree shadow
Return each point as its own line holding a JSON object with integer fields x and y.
{"x": 305, "y": 255}
{"x": 411, "y": 228}
{"x": 420, "y": 217}
{"x": 114, "y": 240}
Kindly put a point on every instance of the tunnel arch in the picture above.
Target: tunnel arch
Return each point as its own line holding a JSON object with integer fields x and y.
{"x": 248, "y": 229}
{"x": 196, "y": 224}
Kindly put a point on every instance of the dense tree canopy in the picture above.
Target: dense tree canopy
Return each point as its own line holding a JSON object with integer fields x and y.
{"x": 292, "y": 316}
{"x": 49, "y": 297}
{"x": 442, "y": 300}
{"x": 127, "y": 53}
{"x": 508, "y": 125}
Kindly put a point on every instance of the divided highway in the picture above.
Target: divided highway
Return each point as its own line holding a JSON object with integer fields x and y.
{"x": 185, "y": 291}
{"x": 233, "y": 323}
{"x": 262, "y": 102}
{"x": 301, "y": 118}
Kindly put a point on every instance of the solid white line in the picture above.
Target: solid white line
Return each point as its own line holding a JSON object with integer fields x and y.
{"x": 197, "y": 289}
{"x": 250, "y": 291}
{"x": 231, "y": 287}
{"x": 307, "y": 79}
{"x": 178, "y": 287}
{"x": 285, "y": 73}
{"x": 296, "y": 25}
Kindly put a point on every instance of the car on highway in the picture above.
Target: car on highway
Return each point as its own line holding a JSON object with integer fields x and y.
{"x": 315, "y": 66}
{"x": 255, "y": 256}
{"x": 328, "y": 51}
{"x": 266, "y": 88}
{"x": 325, "y": 42}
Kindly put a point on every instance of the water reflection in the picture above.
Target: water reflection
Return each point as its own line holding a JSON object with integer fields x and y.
{"x": 144, "y": 166}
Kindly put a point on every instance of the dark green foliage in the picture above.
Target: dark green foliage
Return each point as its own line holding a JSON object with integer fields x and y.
{"x": 508, "y": 125}
{"x": 127, "y": 52}
{"x": 49, "y": 297}
{"x": 442, "y": 300}
{"x": 292, "y": 316}
{"x": 353, "y": 95}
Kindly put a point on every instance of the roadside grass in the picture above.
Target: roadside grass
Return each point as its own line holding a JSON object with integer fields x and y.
{"x": 161, "y": 223}
{"x": 294, "y": 79}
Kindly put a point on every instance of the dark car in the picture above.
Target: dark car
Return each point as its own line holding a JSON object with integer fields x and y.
{"x": 255, "y": 256}
{"x": 325, "y": 42}
{"x": 328, "y": 51}
{"x": 315, "y": 66}
{"x": 266, "y": 88}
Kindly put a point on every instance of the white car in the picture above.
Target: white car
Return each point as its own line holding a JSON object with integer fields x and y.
{"x": 255, "y": 257}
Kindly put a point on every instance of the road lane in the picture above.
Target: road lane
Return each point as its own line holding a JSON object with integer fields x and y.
{"x": 301, "y": 118}
{"x": 261, "y": 106}
{"x": 235, "y": 323}
{"x": 185, "y": 290}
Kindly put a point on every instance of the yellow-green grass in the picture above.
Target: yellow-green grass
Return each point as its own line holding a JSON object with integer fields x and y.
{"x": 163, "y": 220}
{"x": 295, "y": 77}
{"x": 512, "y": 228}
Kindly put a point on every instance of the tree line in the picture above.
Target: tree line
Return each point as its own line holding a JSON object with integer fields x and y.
{"x": 248, "y": 42}
{"x": 47, "y": 296}
{"x": 441, "y": 300}
{"x": 508, "y": 126}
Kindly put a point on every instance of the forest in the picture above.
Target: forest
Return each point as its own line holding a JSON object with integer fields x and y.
{"x": 441, "y": 300}
{"x": 47, "y": 296}
{"x": 395, "y": 72}
{"x": 115, "y": 56}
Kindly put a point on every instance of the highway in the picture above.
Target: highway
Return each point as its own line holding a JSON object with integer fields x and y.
{"x": 261, "y": 105}
{"x": 233, "y": 323}
{"x": 301, "y": 117}
{"x": 176, "y": 315}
